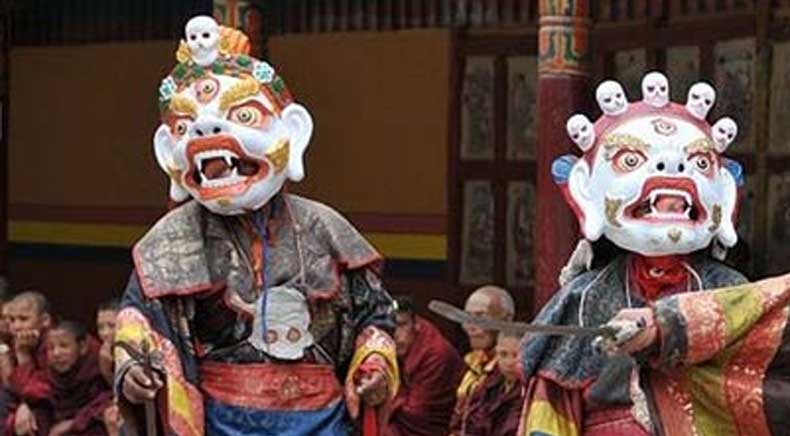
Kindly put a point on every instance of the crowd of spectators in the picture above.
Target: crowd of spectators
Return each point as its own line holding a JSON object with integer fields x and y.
{"x": 55, "y": 374}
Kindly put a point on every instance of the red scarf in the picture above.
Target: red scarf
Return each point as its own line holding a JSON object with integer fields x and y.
{"x": 657, "y": 277}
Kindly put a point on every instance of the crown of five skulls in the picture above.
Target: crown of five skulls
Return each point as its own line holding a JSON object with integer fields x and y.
{"x": 612, "y": 100}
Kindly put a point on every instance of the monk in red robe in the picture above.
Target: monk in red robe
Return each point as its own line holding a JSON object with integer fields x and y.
{"x": 495, "y": 408}
{"x": 430, "y": 371}
{"x": 80, "y": 394}
{"x": 491, "y": 302}
{"x": 28, "y": 383}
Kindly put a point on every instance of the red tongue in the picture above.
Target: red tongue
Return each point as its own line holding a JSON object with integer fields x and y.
{"x": 670, "y": 204}
{"x": 215, "y": 168}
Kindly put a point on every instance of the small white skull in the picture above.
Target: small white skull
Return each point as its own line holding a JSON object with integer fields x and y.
{"x": 202, "y": 38}
{"x": 655, "y": 89}
{"x": 611, "y": 98}
{"x": 700, "y": 99}
{"x": 724, "y": 132}
{"x": 281, "y": 325}
{"x": 581, "y": 131}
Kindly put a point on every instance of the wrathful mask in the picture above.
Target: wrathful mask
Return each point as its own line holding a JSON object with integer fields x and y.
{"x": 231, "y": 134}
{"x": 653, "y": 178}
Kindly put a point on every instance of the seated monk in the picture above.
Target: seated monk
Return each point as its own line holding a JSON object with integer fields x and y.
{"x": 80, "y": 394}
{"x": 28, "y": 384}
{"x": 430, "y": 371}
{"x": 495, "y": 408}
{"x": 487, "y": 301}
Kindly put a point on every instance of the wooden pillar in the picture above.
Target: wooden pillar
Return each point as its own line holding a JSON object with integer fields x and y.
{"x": 563, "y": 76}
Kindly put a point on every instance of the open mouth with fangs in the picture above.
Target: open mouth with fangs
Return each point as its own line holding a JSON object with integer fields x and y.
{"x": 219, "y": 167}
{"x": 668, "y": 200}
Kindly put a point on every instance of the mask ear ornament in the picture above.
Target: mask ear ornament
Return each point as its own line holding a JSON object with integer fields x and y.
{"x": 163, "y": 150}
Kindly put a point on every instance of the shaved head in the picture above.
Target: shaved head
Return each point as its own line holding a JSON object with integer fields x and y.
{"x": 491, "y": 301}
{"x": 34, "y": 298}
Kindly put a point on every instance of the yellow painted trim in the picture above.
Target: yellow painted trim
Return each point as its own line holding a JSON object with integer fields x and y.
{"x": 391, "y": 245}
{"x": 101, "y": 235}
{"x": 410, "y": 246}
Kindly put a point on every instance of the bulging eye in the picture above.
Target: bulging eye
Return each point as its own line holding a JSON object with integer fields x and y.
{"x": 179, "y": 126}
{"x": 246, "y": 116}
{"x": 703, "y": 163}
{"x": 629, "y": 160}
{"x": 252, "y": 114}
{"x": 271, "y": 336}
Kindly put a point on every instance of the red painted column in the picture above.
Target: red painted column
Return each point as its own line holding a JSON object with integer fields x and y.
{"x": 563, "y": 85}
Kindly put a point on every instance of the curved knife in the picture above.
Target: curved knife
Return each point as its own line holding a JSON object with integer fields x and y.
{"x": 455, "y": 314}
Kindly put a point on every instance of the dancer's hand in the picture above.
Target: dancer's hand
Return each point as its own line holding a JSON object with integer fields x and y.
{"x": 372, "y": 388}
{"x": 139, "y": 387}
{"x": 637, "y": 329}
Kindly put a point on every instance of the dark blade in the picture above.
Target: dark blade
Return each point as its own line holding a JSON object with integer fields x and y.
{"x": 457, "y": 315}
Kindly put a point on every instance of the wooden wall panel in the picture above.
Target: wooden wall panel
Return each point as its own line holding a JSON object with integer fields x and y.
{"x": 379, "y": 101}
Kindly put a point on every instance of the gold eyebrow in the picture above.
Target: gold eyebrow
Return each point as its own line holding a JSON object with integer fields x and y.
{"x": 183, "y": 105}
{"x": 701, "y": 145}
{"x": 616, "y": 141}
{"x": 248, "y": 87}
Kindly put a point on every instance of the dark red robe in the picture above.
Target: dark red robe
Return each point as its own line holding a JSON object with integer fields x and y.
{"x": 81, "y": 394}
{"x": 429, "y": 374}
{"x": 29, "y": 384}
{"x": 495, "y": 408}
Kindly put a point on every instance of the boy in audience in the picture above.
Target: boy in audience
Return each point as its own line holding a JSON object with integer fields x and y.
{"x": 6, "y": 342}
{"x": 28, "y": 385}
{"x": 80, "y": 394}
{"x": 495, "y": 408}
{"x": 6, "y": 358}
{"x": 105, "y": 324}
